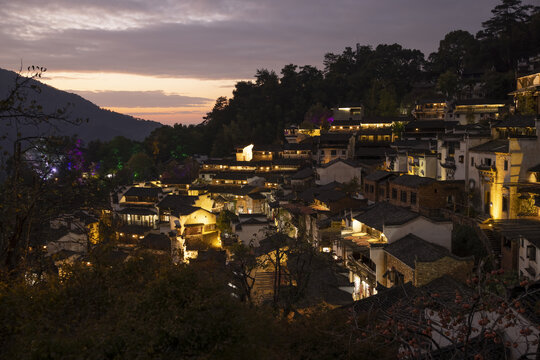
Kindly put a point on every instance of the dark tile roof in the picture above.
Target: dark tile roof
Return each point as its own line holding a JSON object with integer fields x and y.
{"x": 156, "y": 242}
{"x": 379, "y": 175}
{"x": 445, "y": 286}
{"x": 185, "y": 210}
{"x": 375, "y": 151}
{"x": 349, "y": 162}
{"x": 384, "y": 213}
{"x": 411, "y": 248}
{"x": 234, "y": 175}
{"x": 517, "y": 121}
{"x": 529, "y": 229}
{"x": 253, "y": 221}
{"x": 413, "y": 181}
{"x": 385, "y": 298}
{"x": 133, "y": 229}
{"x": 330, "y": 196}
{"x": 298, "y": 209}
{"x": 143, "y": 191}
{"x": 535, "y": 168}
{"x": 297, "y": 146}
{"x": 498, "y": 145}
{"x": 334, "y": 138}
{"x": 349, "y": 122}
{"x": 171, "y": 202}
{"x": 232, "y": 190}
{"x": 412, "y": 144}
{"x": 85, "y": 217}
{"x": 257, "y": 196}
{"x": 302, "y": 174}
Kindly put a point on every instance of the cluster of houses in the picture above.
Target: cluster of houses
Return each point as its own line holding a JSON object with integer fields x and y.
{"x": 380, "y": 195}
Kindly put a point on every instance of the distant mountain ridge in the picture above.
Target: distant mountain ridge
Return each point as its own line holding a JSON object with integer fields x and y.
{"x": 102, "y": 124}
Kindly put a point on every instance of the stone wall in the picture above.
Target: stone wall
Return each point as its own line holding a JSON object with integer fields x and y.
{"x": 408, "y": 273}
{"x": 457, "y": 268}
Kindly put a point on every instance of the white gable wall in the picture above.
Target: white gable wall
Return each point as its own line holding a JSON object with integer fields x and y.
{"x": 438, "y": 233}
{"x": 339, "y": 172}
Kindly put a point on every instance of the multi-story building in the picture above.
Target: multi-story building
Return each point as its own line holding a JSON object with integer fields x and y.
{"x": 473, "y": 111}
{"x": 433, "y": 109}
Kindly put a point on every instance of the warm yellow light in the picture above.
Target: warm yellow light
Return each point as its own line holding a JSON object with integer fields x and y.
{"x": 247, "y": 152}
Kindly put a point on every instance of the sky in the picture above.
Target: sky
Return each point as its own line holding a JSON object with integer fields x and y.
{"x": 169, "y": 60}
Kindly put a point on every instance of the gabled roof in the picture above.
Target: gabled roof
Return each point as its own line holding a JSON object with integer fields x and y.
{"x": 302, "y": 174}
{"x": 330, "y": 196}
{"x": 411, "y": 249}
{"x": 413, "y": 181}
{"x": 309, "y": 194}
{"x": 526, "y": 228}
{"x": 445, "y": 287}
{"x": 171, "y": 202}
{"x": 186, "y": 209}
{"x": 379, "y": 175}
{"x": 517, "y": 121}
{"x": 257, "y": 196}
{"x": 299, "y": 209}
{"x": 348, "y": 162}
{"x": 143, "y": 191}
{"x": 384, "y": 213}
{"x": 493, "y": 146}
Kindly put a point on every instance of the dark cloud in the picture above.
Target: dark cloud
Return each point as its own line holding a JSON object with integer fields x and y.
{"x": 141, "y": 99}
{"x": 219, "y": 39}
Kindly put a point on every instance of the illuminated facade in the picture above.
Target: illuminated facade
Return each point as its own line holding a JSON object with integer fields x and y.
{"x": 473, "y": 111}
{"x": 498, "y": 170}
{"x": 527, "y": 94}
{"x": 433, "y": 109}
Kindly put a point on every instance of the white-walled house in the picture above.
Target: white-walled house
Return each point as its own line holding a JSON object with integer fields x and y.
{"x": 250, "y": 229}
{"x": 339, "y": 170}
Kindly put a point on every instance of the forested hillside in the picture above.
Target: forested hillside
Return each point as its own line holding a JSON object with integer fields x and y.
{"x": 387, "y": 80}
